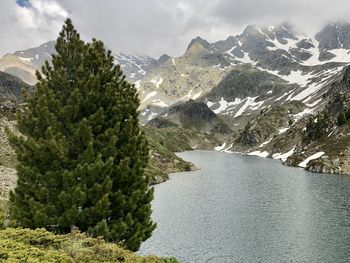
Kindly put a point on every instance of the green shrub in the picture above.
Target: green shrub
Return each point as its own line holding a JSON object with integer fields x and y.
{"x": 25, "y": 245}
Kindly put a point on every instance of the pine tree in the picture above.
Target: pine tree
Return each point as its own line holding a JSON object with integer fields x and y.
{"x": 82, "y": 156}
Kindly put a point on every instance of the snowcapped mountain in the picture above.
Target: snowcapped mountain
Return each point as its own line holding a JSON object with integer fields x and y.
{"x": 273, "y": 60}
{"x": 236, "y": 77}
{"x": 23, "y": 64}
{"x": 134, "y": 67}
{"x": 187, "y": 77}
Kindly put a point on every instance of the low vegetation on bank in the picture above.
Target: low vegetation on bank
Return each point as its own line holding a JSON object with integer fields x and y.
{"x": 25, "y": 245}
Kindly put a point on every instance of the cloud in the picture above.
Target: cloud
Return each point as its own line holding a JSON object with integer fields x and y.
{"x": 24, "y": 24}
{"x": 156, "y": 27}
{"x": 307, "y": 15}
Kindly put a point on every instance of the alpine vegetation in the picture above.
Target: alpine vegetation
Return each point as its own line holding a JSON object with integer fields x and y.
{"x": 81, "y": 153}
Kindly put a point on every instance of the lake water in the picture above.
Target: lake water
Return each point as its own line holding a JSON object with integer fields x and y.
{"x": 248, "y": 209}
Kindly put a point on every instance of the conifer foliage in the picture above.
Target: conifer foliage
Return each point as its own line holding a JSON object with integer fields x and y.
{"x": 82, "y": 156}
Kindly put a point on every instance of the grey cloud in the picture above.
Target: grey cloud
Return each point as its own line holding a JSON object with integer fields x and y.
{"x": 155, "y": 27}
{"x": 307, "y": 15}
{"x": 21, "y": 28}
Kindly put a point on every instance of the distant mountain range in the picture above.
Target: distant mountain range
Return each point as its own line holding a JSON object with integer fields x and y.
{"x": 256, "y": 90}
{"x": 23, "y": 64}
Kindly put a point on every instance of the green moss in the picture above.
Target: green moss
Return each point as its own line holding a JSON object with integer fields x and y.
{"x": 24, "y": 245}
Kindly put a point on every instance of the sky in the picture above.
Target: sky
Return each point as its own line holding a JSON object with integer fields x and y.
{"x": 156, "y": 27}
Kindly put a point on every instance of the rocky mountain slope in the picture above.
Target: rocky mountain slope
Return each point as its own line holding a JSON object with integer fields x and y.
{"x": 11, "y": 87}
{"x": 23, "y": 64}
{"x": 191, "y": 115}
{"x": 325, "y": 141}
{"x": 316, "y": 139}
{"x": 272, "y": 64}
{"x": 10, "y": 97}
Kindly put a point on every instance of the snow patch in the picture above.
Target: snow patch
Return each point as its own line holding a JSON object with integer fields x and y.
{"x": 209, "y": 103}
{"x": 152, "y": 116}
{"x": 282, "y": 130}
{"x": 264, "y": 143}
{"x": 227, "y": 150}
{"x": 195, "y": 96}
{"x": 281, "y": 97}
{"x": 159, "y": 103}
{"x": 149, "y": 95}
{"x": 299, "y": 115}
{"x": 28, "y": 60}
{"x": 290, "y": 43}
{"x": 311, "y": 105}
{"x": 246, "y": 59}
{"x": 341, "y": 55}
{"x": 224, "y": 105}
{"x": 283, "y": 156}
{"x": 312, "y": 157}
{"x": 311, "y": 89}
{"x": 188, "y": 96}
{"x": 157, "y": 81}
{"x": 259, "y": 153}
{"x": 249, "y": 101}
{"x": 219, "y": 148}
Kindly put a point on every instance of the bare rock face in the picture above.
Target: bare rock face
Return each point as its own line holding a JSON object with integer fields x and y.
{"x": 334, "y": 36}
{"x": 11, "y": 88}
{"x": 190, "y": 76}
{"x": 8, "y": 179}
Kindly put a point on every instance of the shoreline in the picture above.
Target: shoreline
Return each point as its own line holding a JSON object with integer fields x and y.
{"x": 285, "y": 163}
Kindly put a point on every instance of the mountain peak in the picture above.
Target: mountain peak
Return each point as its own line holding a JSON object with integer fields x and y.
{"x": 251, "y": 29}
{"x": 201, "y": 41}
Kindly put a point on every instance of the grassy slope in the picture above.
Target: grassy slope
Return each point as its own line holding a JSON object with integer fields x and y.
{"x": 24, "y": 245}
{"x": 165, "y": 142}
